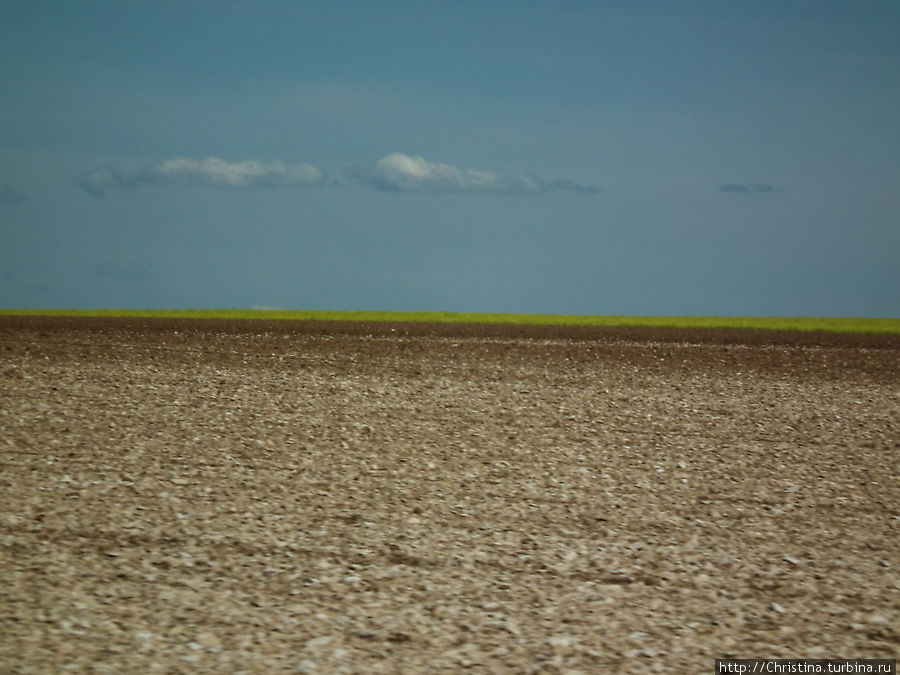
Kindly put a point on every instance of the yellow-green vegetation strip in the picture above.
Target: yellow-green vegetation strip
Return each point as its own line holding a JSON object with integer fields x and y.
{"x": 830, "y": 325}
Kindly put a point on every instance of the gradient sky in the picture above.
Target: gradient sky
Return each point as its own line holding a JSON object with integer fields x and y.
{"x": 623, "y": 157}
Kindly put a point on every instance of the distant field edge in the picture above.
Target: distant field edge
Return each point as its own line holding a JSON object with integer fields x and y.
{"x": 804, "y": 324}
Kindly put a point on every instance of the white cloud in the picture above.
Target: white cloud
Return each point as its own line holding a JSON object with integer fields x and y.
{"x": 97, "y": 182}
{"x": 209, "y": 172}
{"x": 404, "y": 173}
{"x": 216, "y": 172}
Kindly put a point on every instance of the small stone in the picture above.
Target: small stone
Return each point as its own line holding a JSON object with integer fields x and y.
{"x": 208, "y": 640}
{"x": 561, "y": 641}
{"x": 318, "y": 642}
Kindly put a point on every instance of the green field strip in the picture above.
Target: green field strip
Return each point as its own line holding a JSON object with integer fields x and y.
{"x": 805, "y": 324}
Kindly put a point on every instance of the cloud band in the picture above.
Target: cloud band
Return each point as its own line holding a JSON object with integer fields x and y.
{"x": 395, "y": 173}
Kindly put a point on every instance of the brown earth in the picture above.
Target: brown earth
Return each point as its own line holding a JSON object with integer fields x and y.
{"x": 206, "y": 496}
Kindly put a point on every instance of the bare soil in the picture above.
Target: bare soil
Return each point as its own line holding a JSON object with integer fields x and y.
{"x": 206, "y": 496}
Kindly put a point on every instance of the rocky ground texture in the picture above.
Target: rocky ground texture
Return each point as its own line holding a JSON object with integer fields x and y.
{"x": 204, "y": 496}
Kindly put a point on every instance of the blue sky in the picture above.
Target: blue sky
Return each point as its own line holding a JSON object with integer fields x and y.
{"x": 643, "y": 158}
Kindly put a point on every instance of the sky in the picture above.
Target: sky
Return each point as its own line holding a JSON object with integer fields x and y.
{"x": 624, "y": 157}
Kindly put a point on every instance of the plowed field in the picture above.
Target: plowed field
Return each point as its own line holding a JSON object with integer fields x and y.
{"x": 206, "y": 496}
